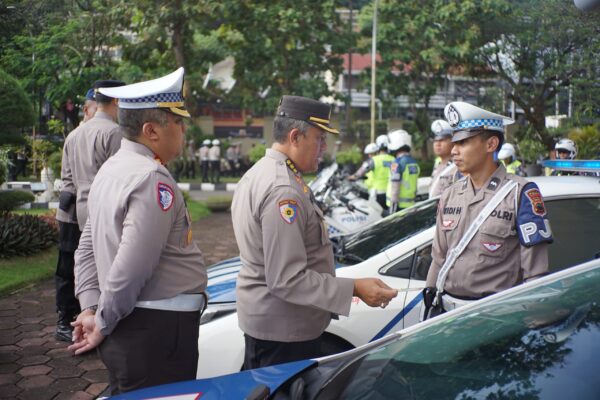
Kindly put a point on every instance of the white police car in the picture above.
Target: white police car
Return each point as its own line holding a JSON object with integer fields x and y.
{"x": 537, "y": 340}
{"x": 397, "y": 249}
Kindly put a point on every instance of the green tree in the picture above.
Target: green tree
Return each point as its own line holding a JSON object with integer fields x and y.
{"x": 539, "y": 47}
{"x": 17, "y": 111}
{"x": 419, "y": 44}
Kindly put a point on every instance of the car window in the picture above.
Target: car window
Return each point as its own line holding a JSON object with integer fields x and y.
{"x": 576, "y": 228}
{"x": 388, "y": 232}
{"x": 422, "y": 263}
{"x": 399, "y": 268}
{"x": 536, "y": 344}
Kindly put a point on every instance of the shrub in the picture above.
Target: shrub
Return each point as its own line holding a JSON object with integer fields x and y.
{"x": 24, "y": 235}
{"x": 349, "y": 157}
{"x": 257, "y": 152}
{"x": 587, "y": 140}
{"x": 11, "y": 199}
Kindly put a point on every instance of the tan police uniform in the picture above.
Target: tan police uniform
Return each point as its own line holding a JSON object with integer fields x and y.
{"x": 138, "y": 244}
{"x": 496, "y": 258}
{"x": 442, "y": 178}
{"x": 286, "y": 290}
{"x": 67, "y": 305}
{"x": 95, "y": 141}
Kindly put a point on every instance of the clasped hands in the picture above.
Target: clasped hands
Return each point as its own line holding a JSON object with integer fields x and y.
{"x": 86, "y": 334}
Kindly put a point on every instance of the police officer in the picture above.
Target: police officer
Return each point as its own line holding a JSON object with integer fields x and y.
{"x": 445, "y": 172}
{"x": 378, "y": 166}
{"x": 287, "y": 290}
{"x": 93, "y": 143}
{"x": 137, "y": 264}
{"x": 510, "y": 245}
{"x": 404, "y": 172}
{"x": 565, "y": 149}
{"x": 508, "y": 156}
{"x": 203, "y": 155}
{"x": 67, "y": 305}
{"x": 214, "y": 157}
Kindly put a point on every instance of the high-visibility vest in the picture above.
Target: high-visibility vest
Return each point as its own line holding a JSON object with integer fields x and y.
{"x": 513, "y": 167}
{"x": 381, "y": 171}
{"x": 408, "y": 185}
{"x": 369, "y": 180}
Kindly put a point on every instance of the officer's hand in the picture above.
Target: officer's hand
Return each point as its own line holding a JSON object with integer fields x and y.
{"x": 351, "y": 178}
{"x": 91, "y": 336}
{"x": 77, "y": 325}
{"x": 374, "y": 292}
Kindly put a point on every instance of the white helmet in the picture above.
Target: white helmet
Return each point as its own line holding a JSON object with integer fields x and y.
{"x": 399, "y": 139}
{"x": 382, "y": 141}
{"x": 371, "y": 148}
{"x": 216, "y": 142}
{"x": 206, "y": 142}
{"x": 567, "y": 145}
{"x": 441, "y": 129}
{"x": 507, "y": 150}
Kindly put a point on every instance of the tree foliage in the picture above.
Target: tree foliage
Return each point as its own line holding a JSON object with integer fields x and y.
{"x": 539, "y": 47}
{"x": 17, "y": 111}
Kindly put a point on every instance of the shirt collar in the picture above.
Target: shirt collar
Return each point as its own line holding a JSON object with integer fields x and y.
{"x": 103, "y": 115}
{"x": 136, "y": 148}
{"x": 276, "y": 154}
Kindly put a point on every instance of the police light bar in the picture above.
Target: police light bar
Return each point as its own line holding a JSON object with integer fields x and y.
{"x": 573, "y": 165}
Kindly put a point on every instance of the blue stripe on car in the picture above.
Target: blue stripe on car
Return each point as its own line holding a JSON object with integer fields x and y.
{"x": 220, "y": 288}
{"x": 398, "y": 317}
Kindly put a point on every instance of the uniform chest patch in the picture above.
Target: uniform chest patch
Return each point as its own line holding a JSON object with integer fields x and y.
{"x": 394, "y": 167}
{"x": 447, "y": 223}
{"x": 492, "y": 247}
{"x": 288, "y": 209}
{"x": 165, "y": 196}
{"x": 537, "y": 203}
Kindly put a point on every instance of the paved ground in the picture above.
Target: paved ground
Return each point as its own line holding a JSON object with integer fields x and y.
{"x": 34, "y": 365}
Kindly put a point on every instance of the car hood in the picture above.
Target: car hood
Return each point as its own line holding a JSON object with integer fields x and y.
{"x": 221, "y": 280}
{"x": 234, "y": 386}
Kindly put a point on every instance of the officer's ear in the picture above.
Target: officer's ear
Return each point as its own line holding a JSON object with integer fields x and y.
{"x": 294, "y": 136}
{"x": 149, "y": 131}
{"x": 493, "y": 144}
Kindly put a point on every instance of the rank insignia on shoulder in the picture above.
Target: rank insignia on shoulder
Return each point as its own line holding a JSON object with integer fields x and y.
{"x": 288, "y": 209}
{"x": 494, "y": 183}
{"x": 165, "y": 196}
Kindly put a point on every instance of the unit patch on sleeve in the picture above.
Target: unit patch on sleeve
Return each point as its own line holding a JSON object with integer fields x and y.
{"x": 533, "y": 225}
{"x": 288, "y": 209}
{"x": 165, "y": 196}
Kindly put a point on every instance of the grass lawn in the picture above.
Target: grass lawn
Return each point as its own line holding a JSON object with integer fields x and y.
{"x": 34, "y": 211}
{"x": 223, "y": 179}
{"x": 197, "y": 209}
{"x": 17, "y": 272}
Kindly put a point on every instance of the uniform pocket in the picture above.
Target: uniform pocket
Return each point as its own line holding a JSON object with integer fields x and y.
{"x": 322, "y": 225}
{"x": 492, "y": 238}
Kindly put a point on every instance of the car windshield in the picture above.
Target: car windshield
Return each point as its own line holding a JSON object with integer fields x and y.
{"x": 542, "y": 343}
{"x": 387, "y": 232}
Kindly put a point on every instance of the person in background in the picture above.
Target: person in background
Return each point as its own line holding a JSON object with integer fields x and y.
{"x": 508, "y": 156}
{"x": 203, "y": 156}
{"x": 445, "y": 172}
{"x": 404, "y": 172}
{"x": 378, "y": 166}
{"x": 565, "y": 149}
{"x": 67, "y": 305}
{"x": 190, "y": 162}
{"x": 214, "y": 157}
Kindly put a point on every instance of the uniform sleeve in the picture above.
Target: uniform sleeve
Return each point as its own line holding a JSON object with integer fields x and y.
{"x": 146, "y": 228}
{"x": 439, "y": 249}
{"x": 534, "y": 231}
{"x": 284, "y": 218}
{"x": 366, "y": 166}
{"x": 111, "y": 143}
{"x": 66, "y": 175}
{"x": 87, "y": 289}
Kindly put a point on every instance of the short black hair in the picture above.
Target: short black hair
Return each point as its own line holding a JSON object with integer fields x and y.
{"x": 486, "y": 134}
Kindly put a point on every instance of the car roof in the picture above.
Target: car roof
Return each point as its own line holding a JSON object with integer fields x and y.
{"x": 557, "y": 186}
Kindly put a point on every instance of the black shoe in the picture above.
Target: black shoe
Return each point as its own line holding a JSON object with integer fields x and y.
{"x": 64, "y": 330}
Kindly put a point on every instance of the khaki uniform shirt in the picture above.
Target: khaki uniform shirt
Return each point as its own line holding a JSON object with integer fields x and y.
{"x": 286, "y": 289}
{"x": 94, "y": 142}
{"x": 66, "y": 176}
{"x": 442, "y": 178}
{"x": 137, "y": 244}
{"x": 511, "y": 245}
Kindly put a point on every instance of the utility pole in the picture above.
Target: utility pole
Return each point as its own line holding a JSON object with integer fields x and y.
{"x": 349, "y": 79}
{"x": 373, "y": 62}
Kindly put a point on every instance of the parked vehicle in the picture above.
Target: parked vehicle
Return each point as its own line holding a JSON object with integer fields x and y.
{"x": 397, "y": 249}
{"x": 537, "y": 340}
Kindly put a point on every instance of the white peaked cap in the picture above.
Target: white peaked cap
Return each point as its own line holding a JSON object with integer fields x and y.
{"x": 468, "y": 120}
{"x": 164, "y": 92}
{"x": 441, "y": 129}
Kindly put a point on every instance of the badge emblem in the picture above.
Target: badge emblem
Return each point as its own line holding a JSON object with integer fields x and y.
{"x": 447, "y": 223}
{"x": 452, "y": 116}
{"x": 165, "y": 196}
{"x": 494, "y": 183}
{"x": 537, "y": 203}
{"x": 288, "y": 209}
{"x": 492, "y": 247}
